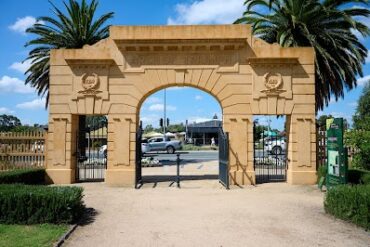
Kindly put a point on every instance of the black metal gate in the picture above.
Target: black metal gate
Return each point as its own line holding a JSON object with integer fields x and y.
{"x": 269, "y": 157}
{"x": 91, "y": 148}
{"x": 138, "y": 175}
{"x": 223, "y": 145}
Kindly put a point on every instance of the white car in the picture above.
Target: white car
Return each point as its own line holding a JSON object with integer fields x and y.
{"x": 276, "y": 146}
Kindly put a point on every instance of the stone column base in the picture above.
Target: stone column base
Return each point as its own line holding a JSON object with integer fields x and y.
{"x": 60, "y": 176}
{"x": 120, "y": 177}
{"x": 301, "y": 177}
{"x": 241, "y": 177}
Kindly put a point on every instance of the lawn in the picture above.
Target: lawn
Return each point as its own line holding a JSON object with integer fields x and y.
{"x": 31, "y": 235}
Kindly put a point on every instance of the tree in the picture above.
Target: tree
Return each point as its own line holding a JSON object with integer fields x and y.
{"x": 9, "y": 122}
{"x": 328, "y": 26}
{"x": 359, "y": 137}
{"x": 361, "y": 119}
{"x": 76, "y": 28}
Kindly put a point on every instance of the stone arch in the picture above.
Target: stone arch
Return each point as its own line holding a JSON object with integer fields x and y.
{"x": 245, "y": 75}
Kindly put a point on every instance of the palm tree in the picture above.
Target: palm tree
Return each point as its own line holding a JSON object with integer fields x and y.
{"x": 329, "y": 26}
{"x": 76, "y": 28}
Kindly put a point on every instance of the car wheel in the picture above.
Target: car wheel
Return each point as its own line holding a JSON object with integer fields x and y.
{"x": 276, "y": 150}
{"x": 170, "y": 150}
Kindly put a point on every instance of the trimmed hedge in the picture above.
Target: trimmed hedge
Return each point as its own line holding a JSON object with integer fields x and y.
{"x": 350, "y": 203}
{"x": 23, "y": 176}
{"x": 34, "y": 204}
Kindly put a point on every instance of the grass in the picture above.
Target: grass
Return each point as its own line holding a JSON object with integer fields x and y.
{"x": 191, "y": 147}
{"x": 31, "y": 235}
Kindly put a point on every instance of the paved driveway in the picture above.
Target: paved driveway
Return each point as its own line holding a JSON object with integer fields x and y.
{"x": 202, "y": 213}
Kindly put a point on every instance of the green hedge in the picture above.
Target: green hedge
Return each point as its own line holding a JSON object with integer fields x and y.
{"x": 34, "y": 204}
{"x": 350, "y": 203}
{"x": 23, "y": 176}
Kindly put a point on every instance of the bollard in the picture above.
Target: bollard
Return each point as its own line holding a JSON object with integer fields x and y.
{"x": 178, "y": 170}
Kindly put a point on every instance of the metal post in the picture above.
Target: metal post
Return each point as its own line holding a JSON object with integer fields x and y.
{"x": 178, "y": 170}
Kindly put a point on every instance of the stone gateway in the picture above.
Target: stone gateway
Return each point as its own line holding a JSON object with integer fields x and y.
{"x": 246, "y": 75}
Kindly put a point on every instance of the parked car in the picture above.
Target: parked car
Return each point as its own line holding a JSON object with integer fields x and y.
{"x": 161, "y": 144}
{"x": 276, "y": 146}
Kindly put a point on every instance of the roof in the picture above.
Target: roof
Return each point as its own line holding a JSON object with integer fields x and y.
{"x": 211, "y": 126}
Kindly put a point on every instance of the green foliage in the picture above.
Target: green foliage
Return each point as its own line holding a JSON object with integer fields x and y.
{"x": 350, "y": 203}
{"x": 23, "y": 176}
{"x": 321, "y": 172}
{"x": 175, "y": 128}
{"x": 356, "y": 176}
{"x": 361, "y": 119}
{"x": 34, "y": 204}
{"x": 73, "y": 28}
{"x": 360, "y": 141}
{"x": 328, "y": 26}
{"x": 8, "y": 122}
{"x": 258, "y": 130}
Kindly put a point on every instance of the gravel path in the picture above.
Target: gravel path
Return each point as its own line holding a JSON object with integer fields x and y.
{"x": 202, "y": 213}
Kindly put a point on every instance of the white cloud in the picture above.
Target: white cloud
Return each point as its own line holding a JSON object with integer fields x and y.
{"x": 22, "y": 24}
{"x": 32, "y": 105}
{"x": 362, "y": 81}
{"x": 13, "y": 85}
{"x": 152, "y": 100}
{"x": 160, "y": 107}
{"x": 198, "y": 97}
{"x": 352, "y": 104}
{"x": 150, "y": 119}
{"x": 4, "y": 110}
{"x": 207, "y": 12}
{"x": 21, "y": 66}
{"x": 175, "y": 88}
{"x": 198, "y": 119}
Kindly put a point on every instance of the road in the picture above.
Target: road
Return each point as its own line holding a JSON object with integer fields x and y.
{"x": 199, "y": 155}
{"x": 191, "y": 155}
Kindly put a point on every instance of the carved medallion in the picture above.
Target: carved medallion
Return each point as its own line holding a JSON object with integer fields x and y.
{"x": 90, "y": 82}
{"x": 273, "y": 81}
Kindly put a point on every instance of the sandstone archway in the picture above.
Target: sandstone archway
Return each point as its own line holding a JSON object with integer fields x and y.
{"x": 246, "y": 75}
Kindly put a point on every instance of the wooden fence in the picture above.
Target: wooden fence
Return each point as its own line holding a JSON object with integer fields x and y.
{"x": 22, "y": 149}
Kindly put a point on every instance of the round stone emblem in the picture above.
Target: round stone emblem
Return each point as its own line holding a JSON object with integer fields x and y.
{"x": 90, "y": 81}
{"x": 273, "y": 81}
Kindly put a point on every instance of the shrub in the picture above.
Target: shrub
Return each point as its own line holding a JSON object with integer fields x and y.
{"x": 356, "y": 176}
{"x": 23, "y": 176}
{"x": 34, "y": 204}
{"x": 321, "y": 172}
{"x": 350, "y": 203}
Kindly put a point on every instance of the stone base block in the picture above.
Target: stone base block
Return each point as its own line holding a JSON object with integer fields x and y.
{"x": 241, "y": 177}
{"x": 301, "y": 177}
{"x": 120, "y": 177}
{"x": 60, "y": 176}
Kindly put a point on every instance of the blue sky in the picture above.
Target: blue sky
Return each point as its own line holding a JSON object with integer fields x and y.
{"x": 194, "y": 105}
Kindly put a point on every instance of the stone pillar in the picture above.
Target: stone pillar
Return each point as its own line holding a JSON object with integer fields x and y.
{"x": 121, "y": 150}
{"x": 240, "y": 129}
{"x": 301, "y": 131}
{"x": 61, "y": 159}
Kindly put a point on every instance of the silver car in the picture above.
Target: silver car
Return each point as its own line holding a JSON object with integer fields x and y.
{"x": 161, "y": 144}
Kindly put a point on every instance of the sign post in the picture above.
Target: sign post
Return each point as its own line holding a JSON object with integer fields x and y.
{"x": 337, "y": 160}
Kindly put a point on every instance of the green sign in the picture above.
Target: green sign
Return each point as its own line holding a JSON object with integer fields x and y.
{"x": 337, "y": 163}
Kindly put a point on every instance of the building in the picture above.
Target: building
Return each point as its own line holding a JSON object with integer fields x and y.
{"x": 202, "y": 133}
